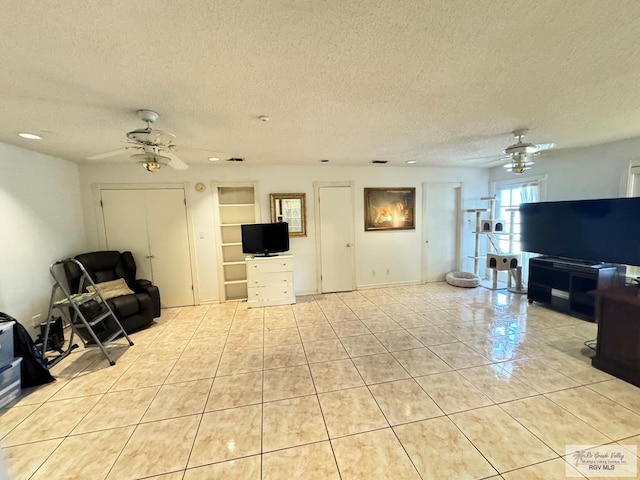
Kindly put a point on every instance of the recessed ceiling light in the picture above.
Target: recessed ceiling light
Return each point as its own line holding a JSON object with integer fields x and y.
{"x": 214, "y": 159}
{"x": 30, "y": 136}
{"x": 264, "y": 118}
{"x": 411, "y": 162}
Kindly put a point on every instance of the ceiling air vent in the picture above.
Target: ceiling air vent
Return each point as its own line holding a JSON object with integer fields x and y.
{"x": 379, "y": 162}
{"x": 235, "y": 159}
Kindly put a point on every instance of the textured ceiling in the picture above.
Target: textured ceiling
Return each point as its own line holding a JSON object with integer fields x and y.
{"x": 439, "y": 82}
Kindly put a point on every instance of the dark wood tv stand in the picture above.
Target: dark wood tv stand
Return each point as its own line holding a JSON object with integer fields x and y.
{"x": 567, "y": 285}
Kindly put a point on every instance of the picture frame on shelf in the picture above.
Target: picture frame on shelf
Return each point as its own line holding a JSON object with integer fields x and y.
{"x": 389, "y": 209}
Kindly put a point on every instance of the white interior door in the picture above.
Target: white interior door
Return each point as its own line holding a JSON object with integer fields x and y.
{"x": 125, "y": 225}
{"x": 169, "y": 246}
{"x": 335, "y": 225}
{"x": 152, "y": 224}
{"x": 441, "y": 230}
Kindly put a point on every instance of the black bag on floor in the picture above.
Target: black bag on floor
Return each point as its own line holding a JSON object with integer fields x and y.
{"x": 33, "y": 368}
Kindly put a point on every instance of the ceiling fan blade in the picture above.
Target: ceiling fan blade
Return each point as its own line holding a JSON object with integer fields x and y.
{"x": 209, "y": 153}
{"x": 112, "y": 153}
{"x": 484, "y": 161}
{"x": 175, "y": 161}
{"x": 545, "y": 146}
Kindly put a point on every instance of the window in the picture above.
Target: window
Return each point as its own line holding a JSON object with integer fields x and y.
{"x": 508, "y": 200}
{"x": 509, "y": 196}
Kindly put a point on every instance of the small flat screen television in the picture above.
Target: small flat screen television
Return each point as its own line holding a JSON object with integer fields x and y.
{"x": 265, "y": 239}
{"x": 605, "y": 230}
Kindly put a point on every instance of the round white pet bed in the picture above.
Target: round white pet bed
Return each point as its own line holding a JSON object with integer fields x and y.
{"x": 462, "y": 279}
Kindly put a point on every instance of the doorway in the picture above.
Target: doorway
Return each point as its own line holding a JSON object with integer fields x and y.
{"x": 442, "y": 203}
{"x": 334, "y": 237}
{"x": 152, "y": 224}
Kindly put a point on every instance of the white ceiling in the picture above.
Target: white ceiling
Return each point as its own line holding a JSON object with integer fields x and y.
{"x": 436, "y": 81}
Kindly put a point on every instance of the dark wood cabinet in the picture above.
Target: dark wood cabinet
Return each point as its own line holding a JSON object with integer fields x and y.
{"x": 618, "y": 347}
{"x": 567, "y": 285}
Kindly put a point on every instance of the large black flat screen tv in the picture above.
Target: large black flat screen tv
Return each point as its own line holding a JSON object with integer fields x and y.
{"x": 606, "y": 230}
{"x": 265, "y": 238}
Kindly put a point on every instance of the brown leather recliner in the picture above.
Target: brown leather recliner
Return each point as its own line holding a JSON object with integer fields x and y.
{"x": 134, "y": 311}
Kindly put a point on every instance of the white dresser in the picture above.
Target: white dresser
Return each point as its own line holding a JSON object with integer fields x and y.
{"x": 270, "y": 281}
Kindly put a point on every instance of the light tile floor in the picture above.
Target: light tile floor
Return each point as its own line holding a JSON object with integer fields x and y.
{"x": 409, "y": 382}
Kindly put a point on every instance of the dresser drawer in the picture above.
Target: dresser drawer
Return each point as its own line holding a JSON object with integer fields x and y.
{"x": 270, "y": 265}
{"x": 269, "y": 293}
{"x": 260, "y": 279}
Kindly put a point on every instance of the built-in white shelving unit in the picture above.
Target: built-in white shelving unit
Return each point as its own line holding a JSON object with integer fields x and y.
{"x": 235, "y": 204}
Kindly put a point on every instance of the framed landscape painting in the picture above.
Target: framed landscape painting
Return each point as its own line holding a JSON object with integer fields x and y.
{"x": 389, "y": 209}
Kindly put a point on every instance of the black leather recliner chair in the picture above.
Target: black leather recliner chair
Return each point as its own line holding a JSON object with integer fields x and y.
{"x": 134, "y": 311}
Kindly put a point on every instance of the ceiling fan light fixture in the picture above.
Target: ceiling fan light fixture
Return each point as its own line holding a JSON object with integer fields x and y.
{"x": 151, "y": 166}
{"x": 150, "y": 161}
{"x": 519, "y": 164}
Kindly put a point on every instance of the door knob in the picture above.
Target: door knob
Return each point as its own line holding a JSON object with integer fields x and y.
{"x": 348, "y": 245}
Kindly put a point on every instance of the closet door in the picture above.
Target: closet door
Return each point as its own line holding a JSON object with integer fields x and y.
{"x": 152, "y": 224}
{"x": 441, "y": 229}
{"x": 169, "y": 245}
{"x": 335, "y": 228}
{"x": 125, "y": 225}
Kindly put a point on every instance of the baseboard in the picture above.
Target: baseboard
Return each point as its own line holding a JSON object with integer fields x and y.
{"x": 385, "y": 285}
{"x": 208, "y": 301}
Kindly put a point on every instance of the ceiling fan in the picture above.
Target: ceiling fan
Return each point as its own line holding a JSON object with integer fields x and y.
{"x": 520, "y": 153}
{"x": 154, "y": 148}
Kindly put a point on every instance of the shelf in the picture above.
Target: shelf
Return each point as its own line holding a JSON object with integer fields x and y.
{"x": 235, "y": 282}
{"x": 237, "y": 205}
{"x": 497, "y": 233}
{"x": 232, "y": 224}
{"x": 567, "y": 286}
{"x": 231, "y": 244}
{"x": 234, "y": 263}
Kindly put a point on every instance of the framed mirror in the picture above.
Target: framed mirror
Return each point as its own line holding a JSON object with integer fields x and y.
{"x": 290, "y": 208}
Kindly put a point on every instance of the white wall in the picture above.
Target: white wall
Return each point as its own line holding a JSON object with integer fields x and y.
{"x": 582, "y": 173}
{"x": 42, "y": 221}
{"x": 400, "y": 251}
